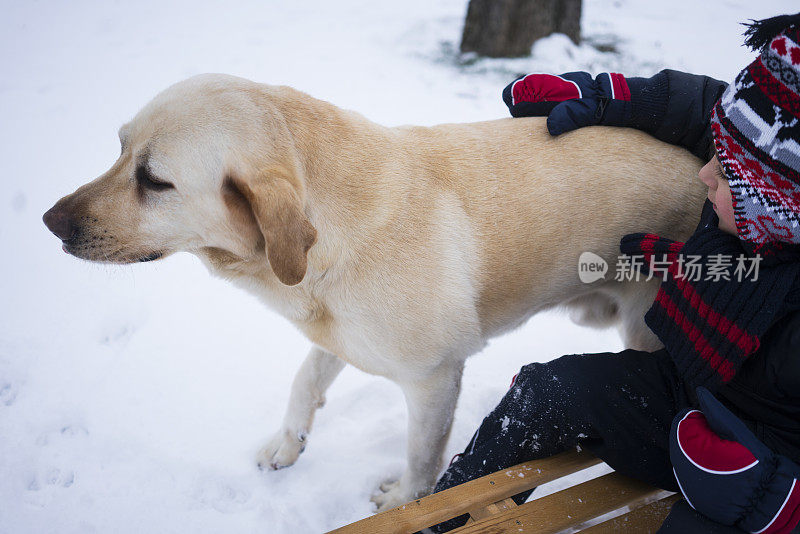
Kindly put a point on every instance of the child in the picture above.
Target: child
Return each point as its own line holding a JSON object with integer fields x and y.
{"x": 732, "y": 346}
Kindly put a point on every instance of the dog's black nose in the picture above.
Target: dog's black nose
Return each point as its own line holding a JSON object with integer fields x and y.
{"x": 58, "y": 222}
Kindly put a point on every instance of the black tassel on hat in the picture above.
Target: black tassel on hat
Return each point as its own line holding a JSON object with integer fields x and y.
{"x": 759, "y": 33}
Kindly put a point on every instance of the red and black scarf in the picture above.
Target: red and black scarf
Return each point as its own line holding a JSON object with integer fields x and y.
{"x": 710, "y": 327}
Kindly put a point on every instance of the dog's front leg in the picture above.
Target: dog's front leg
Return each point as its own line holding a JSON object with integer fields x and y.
{"x": 431, "y": 402}
{"x": 316, "y": 374}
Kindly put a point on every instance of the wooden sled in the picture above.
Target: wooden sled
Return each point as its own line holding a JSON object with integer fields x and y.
{"x": 639, "y": 508}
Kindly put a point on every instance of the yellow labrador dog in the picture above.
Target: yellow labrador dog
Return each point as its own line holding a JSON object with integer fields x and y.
{"x": 400, "y": 251}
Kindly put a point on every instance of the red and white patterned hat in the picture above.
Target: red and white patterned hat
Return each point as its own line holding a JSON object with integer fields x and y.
{"x": 756, "y": 129}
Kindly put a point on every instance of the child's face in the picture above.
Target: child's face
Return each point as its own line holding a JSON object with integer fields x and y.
{"x": 719, "y": 193}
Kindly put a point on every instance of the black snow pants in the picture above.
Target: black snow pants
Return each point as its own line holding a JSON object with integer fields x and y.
{"x": 620, "y": 406}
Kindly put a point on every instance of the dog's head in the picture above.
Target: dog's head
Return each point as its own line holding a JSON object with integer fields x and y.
{"x": 207, "y": 165}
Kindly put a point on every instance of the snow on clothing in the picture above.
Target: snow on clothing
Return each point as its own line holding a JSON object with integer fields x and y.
{"x": 621, "y": 406}
{"x": 617, "y": 405}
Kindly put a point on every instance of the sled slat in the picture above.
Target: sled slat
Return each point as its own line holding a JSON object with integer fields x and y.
{"x": 647, "y": 518}
{"x": 492, "y": 509}
{"x": 473, "y": 495}
{"x": 566, "y": 508}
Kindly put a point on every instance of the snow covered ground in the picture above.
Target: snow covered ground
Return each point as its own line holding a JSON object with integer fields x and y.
{"x": 133, "y": 399}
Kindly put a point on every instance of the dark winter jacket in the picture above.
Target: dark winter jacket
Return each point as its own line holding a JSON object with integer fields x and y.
{"x": 766, "y": 390}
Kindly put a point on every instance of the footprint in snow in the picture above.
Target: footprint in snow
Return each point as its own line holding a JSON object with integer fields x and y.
{"x": 118, "y": 335}
{"x": 65, "y": 432}
{"x": 52, "y": 478}
{"x": 8, "y": 394}
{"x": 222, "y": 496}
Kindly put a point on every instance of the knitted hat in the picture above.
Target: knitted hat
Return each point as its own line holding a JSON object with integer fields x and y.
{"x": 756, "y": 130}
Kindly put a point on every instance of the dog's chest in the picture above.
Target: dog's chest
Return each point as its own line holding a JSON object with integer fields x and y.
{"x": 295, "y": 303}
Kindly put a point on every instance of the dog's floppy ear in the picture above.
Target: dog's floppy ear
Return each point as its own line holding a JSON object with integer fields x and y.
{"x": 276, "y": 209}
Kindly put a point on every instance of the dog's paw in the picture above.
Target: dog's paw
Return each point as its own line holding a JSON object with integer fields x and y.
{"x": 282, "y": 450}
{"x": 389, "y": 498}
{"x": 394, "y": 494}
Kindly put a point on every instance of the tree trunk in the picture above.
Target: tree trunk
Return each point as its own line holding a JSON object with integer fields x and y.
{"x": 508, "y": 28}
{"x": 568, "y": 19}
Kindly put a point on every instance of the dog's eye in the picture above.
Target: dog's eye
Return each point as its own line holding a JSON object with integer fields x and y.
{"x": 146, "y": 180}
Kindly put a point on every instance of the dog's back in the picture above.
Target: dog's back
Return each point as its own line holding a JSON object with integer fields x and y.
{"x": 536, "y": 202}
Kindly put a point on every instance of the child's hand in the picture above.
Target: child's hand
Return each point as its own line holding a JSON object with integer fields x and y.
{"x": 728, "y": 475}
{"x": 571, "y": 100}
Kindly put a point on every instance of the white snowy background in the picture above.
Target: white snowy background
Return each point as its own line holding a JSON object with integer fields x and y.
{"x": 134, "y": 399}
